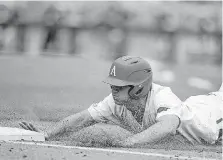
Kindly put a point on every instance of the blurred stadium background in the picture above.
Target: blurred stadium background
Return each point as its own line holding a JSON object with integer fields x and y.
{"x": 54, "y": 55}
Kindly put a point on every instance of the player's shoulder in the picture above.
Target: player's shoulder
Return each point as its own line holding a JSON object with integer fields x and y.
{"x": 109, "y": 100}
{"x": 110, "y": 105}
{"x": 156, "y": 88}
{"x": 105, "y": 105}
{"x": 164, "y": 95}
{"x": 163, "y": 92}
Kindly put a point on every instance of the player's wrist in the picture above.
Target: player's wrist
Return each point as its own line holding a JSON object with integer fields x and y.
{"x": 46, "y": 135}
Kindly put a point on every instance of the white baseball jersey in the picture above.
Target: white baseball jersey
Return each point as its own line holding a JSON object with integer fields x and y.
{"x": 160, "y": 100}
{"x": 201, "y": 117}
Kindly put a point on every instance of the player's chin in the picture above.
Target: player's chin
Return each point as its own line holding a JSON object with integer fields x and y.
{"x": 118, "y": 102}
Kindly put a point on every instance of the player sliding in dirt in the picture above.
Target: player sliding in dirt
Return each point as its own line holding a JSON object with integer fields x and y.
{"x": 150, "y": 111}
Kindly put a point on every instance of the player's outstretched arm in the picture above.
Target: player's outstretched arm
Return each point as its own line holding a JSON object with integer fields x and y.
{"x": 72, "y": 123}
{"x": 166, "y": 125}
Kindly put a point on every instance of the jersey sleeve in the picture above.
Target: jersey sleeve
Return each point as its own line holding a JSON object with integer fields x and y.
{"x": 166, "y": 103}
{"x": 102, "y": 110}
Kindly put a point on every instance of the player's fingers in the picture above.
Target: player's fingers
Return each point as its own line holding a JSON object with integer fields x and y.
{"x": 27, "y": 125}
{"x": 33, "y": 128}
{"x": 24, "y": 125}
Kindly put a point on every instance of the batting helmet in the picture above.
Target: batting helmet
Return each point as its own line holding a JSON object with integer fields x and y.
{"x": 131, "y": 71}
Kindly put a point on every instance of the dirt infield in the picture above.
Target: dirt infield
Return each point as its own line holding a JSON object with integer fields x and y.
{"x": 28, "y": 150}
{"x": 45, "y": 90}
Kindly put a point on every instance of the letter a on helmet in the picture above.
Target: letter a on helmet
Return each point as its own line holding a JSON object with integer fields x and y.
{"x": 113, "y": 71}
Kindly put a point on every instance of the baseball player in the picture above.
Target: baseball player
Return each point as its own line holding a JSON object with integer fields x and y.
{"x": 148, "y": 110}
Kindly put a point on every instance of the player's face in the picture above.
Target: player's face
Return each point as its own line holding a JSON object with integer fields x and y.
{"x": 120, "y": 94}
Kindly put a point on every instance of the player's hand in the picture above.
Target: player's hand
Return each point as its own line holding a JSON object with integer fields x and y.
{"x": 29, "y": 126}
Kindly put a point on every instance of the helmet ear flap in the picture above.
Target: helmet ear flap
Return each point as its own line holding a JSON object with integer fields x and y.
{"x": 135, "y": 91}
{"x": 140, "y": 90}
